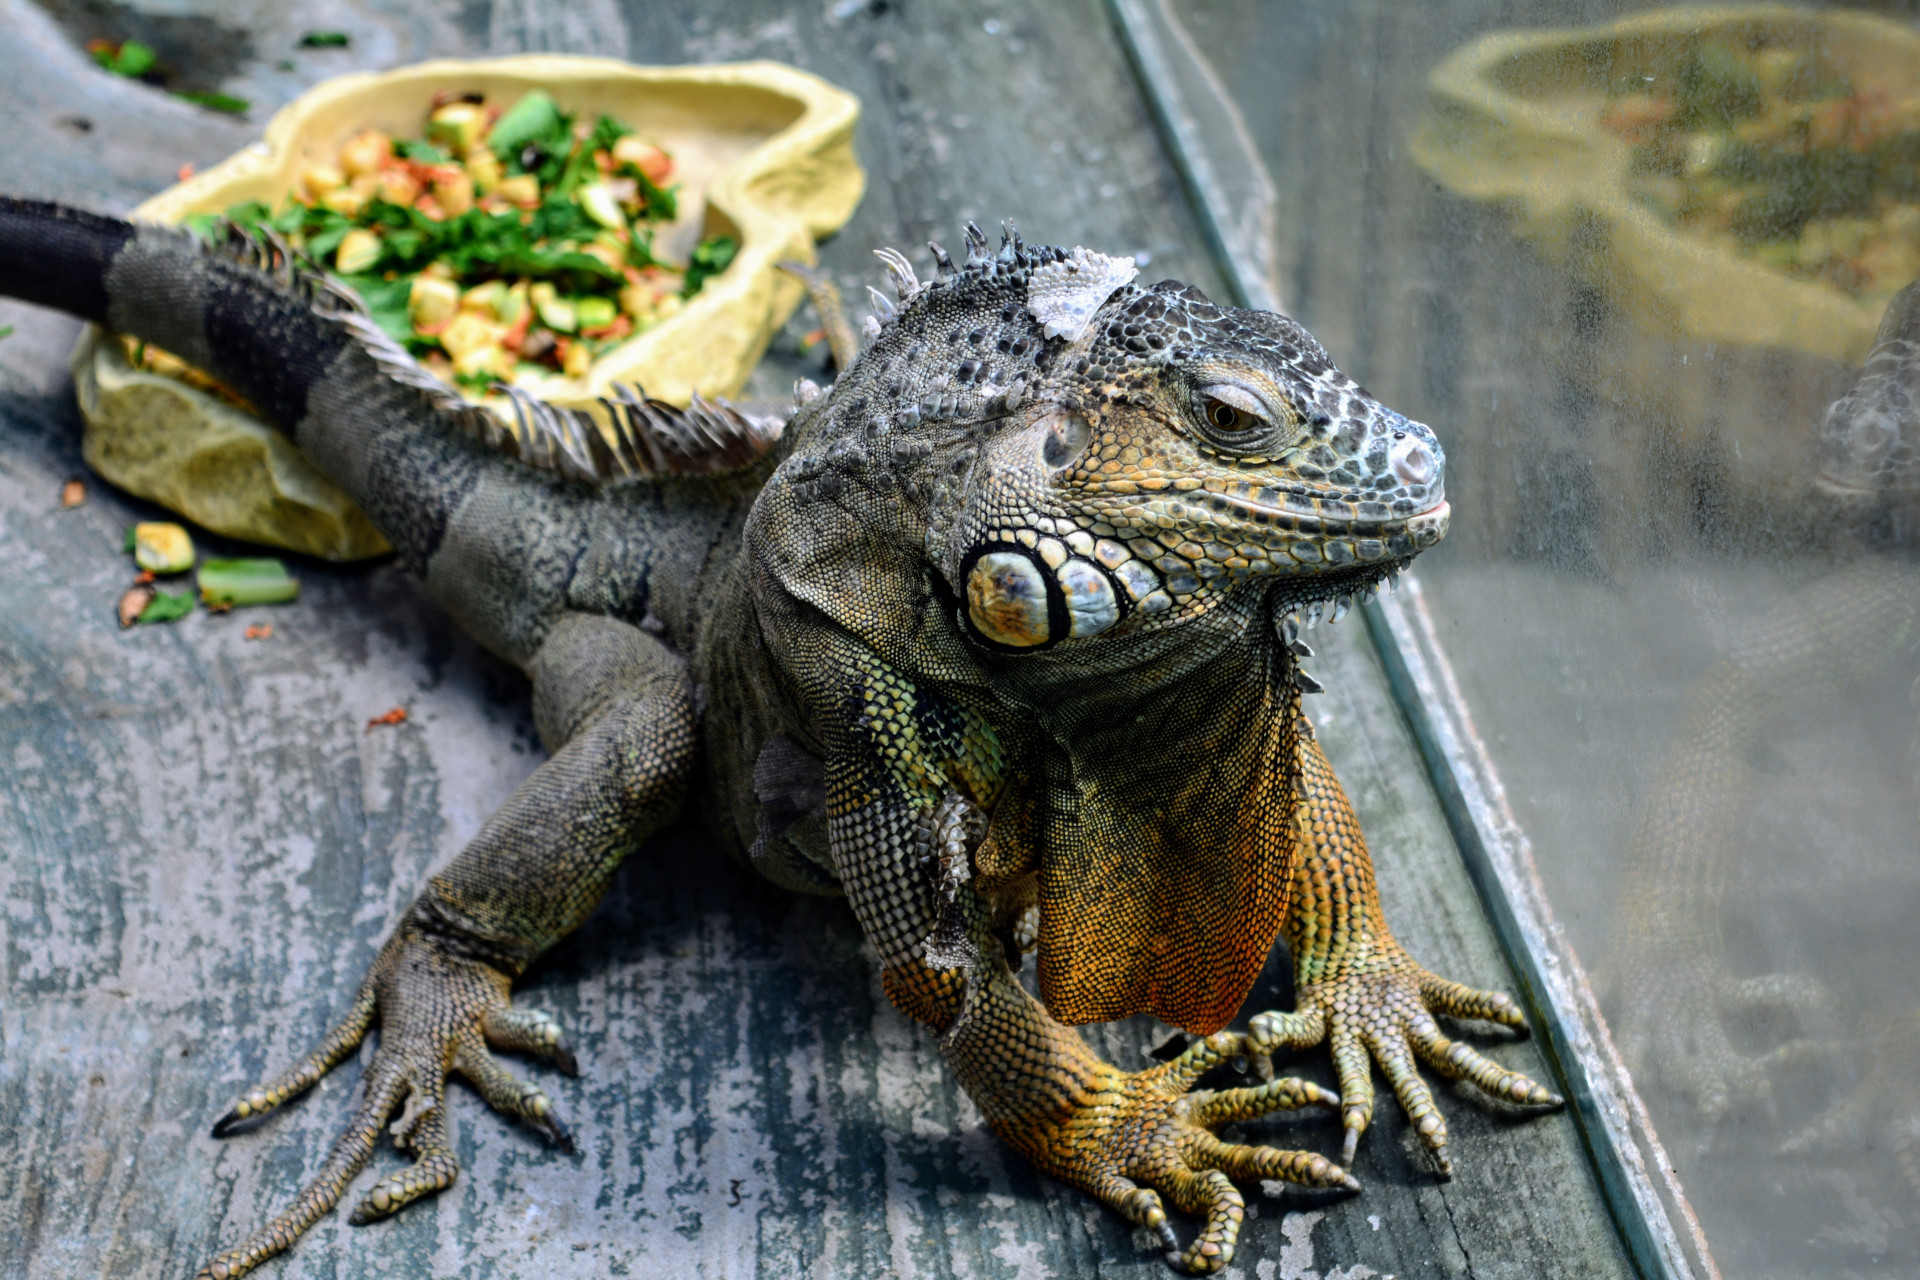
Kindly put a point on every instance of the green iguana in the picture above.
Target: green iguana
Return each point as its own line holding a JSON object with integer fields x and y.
{"x": 999, "y": 637}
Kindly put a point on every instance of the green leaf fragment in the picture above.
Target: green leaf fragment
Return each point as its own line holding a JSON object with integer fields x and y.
{"x": 325, "y": 40}
{"x": 534, "y": 118}
{"x": 710, "y": 258}
{"x": 166, "y": 606}
{"x": 6, "y": 331}
{"x": 130, "y": 59}
{"x": 225, "y": 584}
{"x": 421, "y": 152}
{"x": 222, "y": 102}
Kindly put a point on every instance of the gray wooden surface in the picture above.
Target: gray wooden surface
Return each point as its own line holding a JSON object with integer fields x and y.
{"x": 201, "y": 846}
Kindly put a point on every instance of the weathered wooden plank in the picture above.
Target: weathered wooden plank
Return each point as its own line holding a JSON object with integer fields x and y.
{"x": 203, "y": 845}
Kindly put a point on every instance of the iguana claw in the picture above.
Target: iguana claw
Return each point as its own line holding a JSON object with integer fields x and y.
{"x": 1386, "y": 1015}
{"x": 440, "y": 1012}
{"x": 1146, "y": 1128}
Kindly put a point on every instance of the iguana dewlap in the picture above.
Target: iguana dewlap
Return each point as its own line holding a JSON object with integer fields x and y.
{"x": 999, "y": 637}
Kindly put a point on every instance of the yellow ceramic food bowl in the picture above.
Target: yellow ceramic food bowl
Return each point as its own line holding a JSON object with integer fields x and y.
{"x": 763, "y": 153}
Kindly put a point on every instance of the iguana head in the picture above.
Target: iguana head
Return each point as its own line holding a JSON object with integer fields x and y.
{"x": 1145, "y": 451}
{"x": 1870, "y": 437}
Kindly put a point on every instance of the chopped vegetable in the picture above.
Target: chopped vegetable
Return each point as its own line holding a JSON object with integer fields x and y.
{"x": 165, "y": 606}
{"x": 162, "y": 548}
{"x": 396, "y": 716}
{"x": 503, "y": 247}
{"x": 225, "y": 584}
{"x": 711, "y": 258}
{"x": 133, "y": 603}
{"x": 137, "y": 61}
{"x": 532, "y": 120}
{"x": 73, "y": 493}
{"x": 222, "y": 102}
{"x": 260, "y": 631}
{"x": 325, "y": 40}
{"x": 458, "y": 126}
{"x": 129, "y": 58}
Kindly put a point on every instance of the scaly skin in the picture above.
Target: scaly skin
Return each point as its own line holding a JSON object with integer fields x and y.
{"x": 1008, "y": 620}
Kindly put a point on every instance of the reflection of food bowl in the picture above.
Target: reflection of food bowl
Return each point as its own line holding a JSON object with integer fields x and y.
{"x": 764, "y": 153}
{"x": 1776, "y": 206}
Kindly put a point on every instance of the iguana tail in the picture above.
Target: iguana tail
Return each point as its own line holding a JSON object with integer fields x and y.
{"x": 265, "y": 337}
{"x": 422, "y": 463}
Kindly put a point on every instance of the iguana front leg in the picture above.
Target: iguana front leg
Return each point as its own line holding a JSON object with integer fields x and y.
{"x": 910, "y": 780}
{"x": 620, "y": 703}
{"x": 1359, "y": 990}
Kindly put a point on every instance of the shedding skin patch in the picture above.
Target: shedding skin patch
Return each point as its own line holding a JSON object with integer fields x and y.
{"x": 1063, "y": 295}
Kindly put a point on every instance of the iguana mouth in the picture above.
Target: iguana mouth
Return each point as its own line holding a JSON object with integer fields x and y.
{"x": 1333, "y": 537}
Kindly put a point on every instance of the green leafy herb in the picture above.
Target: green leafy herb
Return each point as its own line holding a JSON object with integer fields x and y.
{"x": 166, "y": 606}
{"x": 6, "y": 331}
{"x": 532, "y": 121}
{"x": 223, "y": 102}
{"x": 661, "y": 201}
{"x": 710, "y": 258}
{"x": 386, "y": 302}
{"x": 131, "y": 538}
{"x": 325, "y": 40}
{"x": 421, "y": 152}
{"x": 262, "y": 580}
{"x": 129, "y": 58}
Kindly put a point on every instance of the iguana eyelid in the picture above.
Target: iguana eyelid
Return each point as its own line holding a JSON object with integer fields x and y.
{"x": 1238, "y": 397}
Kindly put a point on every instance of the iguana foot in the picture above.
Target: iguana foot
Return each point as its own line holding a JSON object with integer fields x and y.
{"x": 1884, "y": 1108}
{"x": 439, "y": 1012}
{"x": 1675, "y": 1028}
{"x": 1139, "y": 1135}
{"x": 1387, "y": 1015}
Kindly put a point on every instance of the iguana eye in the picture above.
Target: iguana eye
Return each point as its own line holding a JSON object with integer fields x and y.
{"x": 1234, "y": 417}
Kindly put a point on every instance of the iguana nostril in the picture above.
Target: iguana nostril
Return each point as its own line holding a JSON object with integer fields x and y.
{"x": 1413, "y": 463}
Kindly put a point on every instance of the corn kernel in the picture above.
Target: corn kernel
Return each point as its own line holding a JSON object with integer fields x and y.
{"x": 522, "y": 189}
{"x": 399, "y": 186}
{"x": 458, "y": 126}
{"x": 469, "y": 332}
{"x": 162, "y": 548}
{"x": 432, "y": 301}
{"x": 359, "y": 250}
{"x": 484, "y": 168}
{"x": 454, "y": 190}
{"x": 492, "y": 360}
{"x": 320, "y": 179}
{"x": 344, "y": 201}
{"x": 637, "y": 300}
{"x": 576, "y": 360}
{"x": 365, "y": 152}
{"x": 486, "y": 299}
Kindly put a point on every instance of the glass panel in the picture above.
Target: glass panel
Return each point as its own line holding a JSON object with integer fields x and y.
{"x": 1629, "y": 263}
